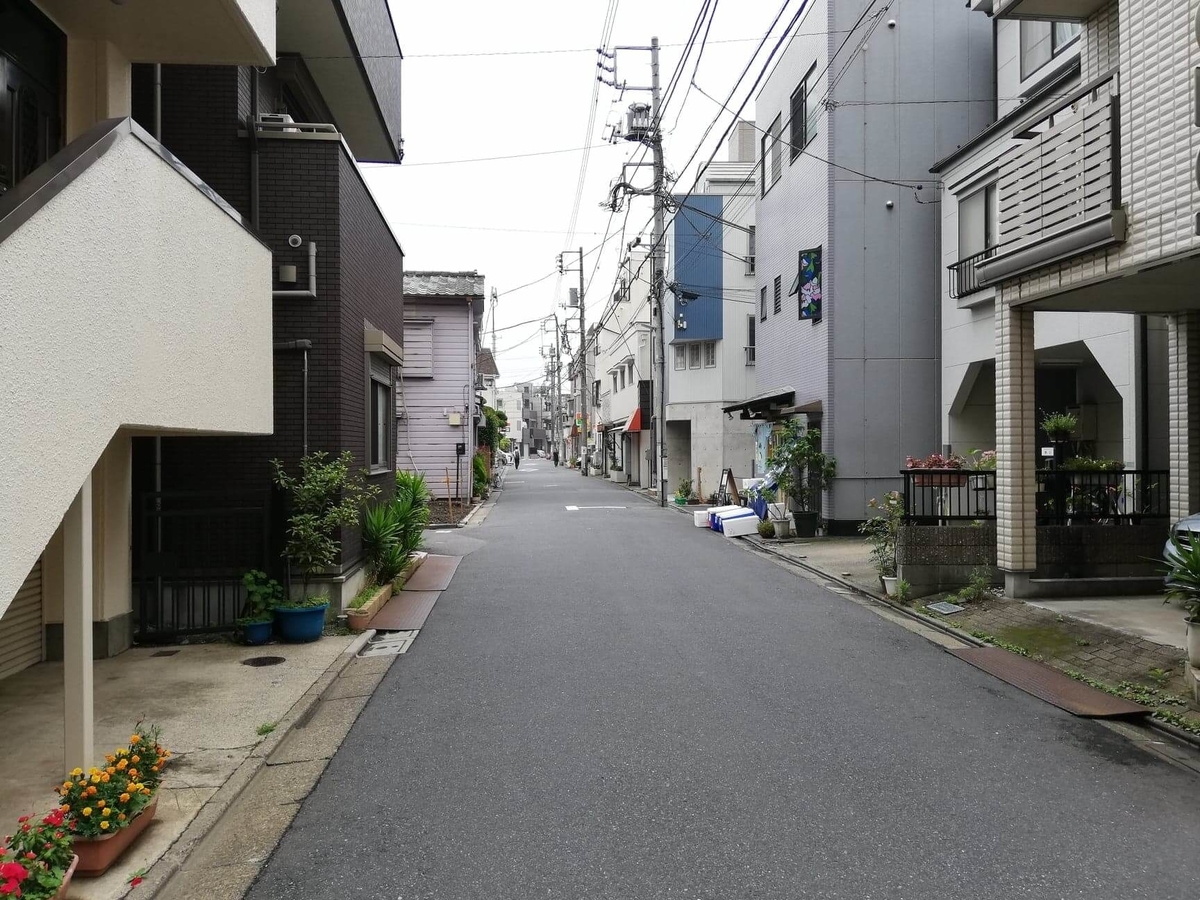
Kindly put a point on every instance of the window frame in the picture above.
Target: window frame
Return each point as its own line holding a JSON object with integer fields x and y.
{"x": 802, "y": 124}
{"x": 991, "y": 216}
{"x": 751, "y": 250}
{"x": 710, "y": 353}
{"x": 777, "y": 296}
{"x": 751, "y": 341}
{"x": 694, "y": 358}
{"x": 772, "y": 159}
{"x": 377, "y": 427}
{"x": 681, "y": 357}
{"x": 1056, "y": 48}
{"x": 762, "y": 303}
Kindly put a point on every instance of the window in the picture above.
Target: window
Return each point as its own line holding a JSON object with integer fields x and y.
{"x": 1042, "y": 41}
{"x": 772, "y": 155}
{"x": 614, "y": 378}
{"x": 710, "y": 354}
{"x": 750, "y": 248}
{"x": 750, "y": 348}
{"x": 622, "y": 378}
{"x": 418, "y": 349}
{"x": 596, "y": 393}
{"x": 778, "y": 294}
{"x": 693, "y": 356}
{"x": 978, "y": 229}
{"x": 803, "y": 114}
{"x": 382, "y": 415}
{"x": 680, "y": 357}
{"x": 762, "y": 303}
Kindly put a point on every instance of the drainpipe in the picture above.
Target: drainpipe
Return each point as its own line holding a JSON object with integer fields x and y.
{"x": 311, "y": 293}
{"x": 304, "y": 346}
{"x": 253, "y": 131}
{"x": 1144, "y": 392}
{"x": 158, "y": 484}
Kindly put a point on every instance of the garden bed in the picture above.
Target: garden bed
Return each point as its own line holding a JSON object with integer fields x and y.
{"x": 440, "y": 512}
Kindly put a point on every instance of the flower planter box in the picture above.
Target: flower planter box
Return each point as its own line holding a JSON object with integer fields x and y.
{"x": 806, "y": 524}
{"x": 61, "y": 893}
{"x": 358, "y": 619}
{"x": 95, "y": 855}
{"x": 257, "y": 632}
{"x": 618, "y": 477}
{"x": 940, "y": 479}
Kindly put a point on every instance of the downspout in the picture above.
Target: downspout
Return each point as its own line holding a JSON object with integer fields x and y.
{"x": 311, "y": 293}
{"x": 253, "y": 131}
{"x": 158, "y": 483}
{"x": 305, "y": 346}
{"x": 1143, "y": 461}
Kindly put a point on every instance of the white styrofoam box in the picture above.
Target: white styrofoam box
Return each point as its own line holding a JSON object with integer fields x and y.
{"x": 713, "y": 511}
{"x": 732, "y": 513}
{"x": 739, "y": 526}
{"x": 700, "y": 518}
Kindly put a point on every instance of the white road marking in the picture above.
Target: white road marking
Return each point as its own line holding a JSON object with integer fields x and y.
{"x": 577, "y": 508}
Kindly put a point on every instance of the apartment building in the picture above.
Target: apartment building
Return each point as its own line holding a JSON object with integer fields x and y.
{"x": 847, "y": 222}
{"x": 712, "y": 320}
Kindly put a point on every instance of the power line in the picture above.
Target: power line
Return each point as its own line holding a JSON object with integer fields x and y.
{"x": 478, "y": 159}
{"x": 486, "y": 228}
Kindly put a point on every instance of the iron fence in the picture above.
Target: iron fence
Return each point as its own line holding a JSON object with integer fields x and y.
{"x": 964, "y": 278}
{"x": 190, "y": 553}
{"x": 1128, "y": 496}
{"x": 1064, "y": 497}
{"x": 935, "y": 496}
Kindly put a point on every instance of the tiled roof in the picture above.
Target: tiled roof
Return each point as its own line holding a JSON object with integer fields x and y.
{"x": 443, "y": 284}
{"x": 485, "y": 363}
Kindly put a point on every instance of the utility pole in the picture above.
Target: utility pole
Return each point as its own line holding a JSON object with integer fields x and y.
{"x": 584, "y": 387}
{"x": 657, "y": 275}
{"x": 644, "y": 127}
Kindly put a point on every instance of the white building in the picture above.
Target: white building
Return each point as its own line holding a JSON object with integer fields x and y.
{"x": 711, "y": 354}
{"x": 623, "y": 372}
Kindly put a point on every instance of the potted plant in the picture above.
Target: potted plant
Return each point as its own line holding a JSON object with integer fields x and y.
{"x": 777, "y": 512}
{"x": 1183, "y": 587}
{"x": 684, "y": 492}
{"x": 1059, "y": 427}
{"x": 980, "y": 461}
{"x": 105, "y": 809}
{"x": 38, "y": 862}
{"x": 325, "y": 497}
{"x": 803, "y": 473}
{"x": 766, "y": 529}
{"x": 616, "y": 473}
{"x": 881, "y": 530}
{"x": 258, "y": 613}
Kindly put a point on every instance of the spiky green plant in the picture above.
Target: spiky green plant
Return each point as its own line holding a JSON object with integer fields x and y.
{"x": 1183, "y": 581}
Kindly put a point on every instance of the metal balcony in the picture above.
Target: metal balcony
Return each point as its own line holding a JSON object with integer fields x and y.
{"x": 1047, "y": 10}
{"x": 964, "y": 278}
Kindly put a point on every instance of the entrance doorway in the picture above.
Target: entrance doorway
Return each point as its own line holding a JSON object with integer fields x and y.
{"x": 32, "y": 75}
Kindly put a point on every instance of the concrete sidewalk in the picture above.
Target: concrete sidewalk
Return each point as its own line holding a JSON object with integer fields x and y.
{"x": 209, "y": 706}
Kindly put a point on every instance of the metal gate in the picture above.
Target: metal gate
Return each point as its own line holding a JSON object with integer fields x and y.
{"x": 190, "y": 553}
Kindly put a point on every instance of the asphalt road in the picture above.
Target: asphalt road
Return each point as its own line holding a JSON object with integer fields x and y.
{"x": 609, "y": 703}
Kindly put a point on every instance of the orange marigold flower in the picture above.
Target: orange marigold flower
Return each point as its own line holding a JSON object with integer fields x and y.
{"x": 105, "y": 777}
{"x": 101, "y": 804}
{"x": 135, "y": 759}
{"x": 146, "y": 791}
{"x": 66, "y": 807}
{"x": 124, "y": 798}
{"x": 135, "y": 738}
{"x": 122, "y": 764}
{"x": 111, "y": 770}
{"x": 91, "y": 791}
{"x": 120, "y": 817}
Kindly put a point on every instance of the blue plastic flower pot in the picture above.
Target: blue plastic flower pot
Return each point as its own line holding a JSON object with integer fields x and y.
{"x": 257, "y": 632}
{"x": 300, "y": 625}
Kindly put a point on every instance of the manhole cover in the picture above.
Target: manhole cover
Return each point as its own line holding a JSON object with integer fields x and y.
{"x": 389, "y": 643}
{"x": 259, "y": 661}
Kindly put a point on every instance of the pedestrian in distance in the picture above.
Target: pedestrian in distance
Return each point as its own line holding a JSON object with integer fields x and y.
{"x": 517, "y": 459}
{"x": 556, "y": 456}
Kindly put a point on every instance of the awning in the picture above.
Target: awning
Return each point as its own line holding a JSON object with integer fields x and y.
{"x": 635, "y": 421}
{"x": 758, "y": 407}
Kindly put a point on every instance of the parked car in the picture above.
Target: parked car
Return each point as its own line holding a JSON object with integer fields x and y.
{"x": 1185, "y": 531}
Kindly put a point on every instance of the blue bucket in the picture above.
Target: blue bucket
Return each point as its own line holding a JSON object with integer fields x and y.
{"x": 257, "y": 633}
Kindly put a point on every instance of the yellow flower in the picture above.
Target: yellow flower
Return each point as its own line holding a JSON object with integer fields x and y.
{"x": 104, "y": 825}
{"x": 95, "y": 779}
{"x": 122, "y": 752}
{"x": 87, "y": 810}
{"x": 76, "y": 772}
{"x": 106, "y": 813}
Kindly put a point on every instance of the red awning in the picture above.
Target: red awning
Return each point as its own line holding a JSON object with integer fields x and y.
{"x": 635, "y": 421}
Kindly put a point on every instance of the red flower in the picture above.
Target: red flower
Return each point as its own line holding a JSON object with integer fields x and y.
{"x": 12, "y": 886}
{"x": 135, "y": 881}
{"x": 12, "y": 870}
{"x": 23, "y": 819}
{"x": 25, "y": 827}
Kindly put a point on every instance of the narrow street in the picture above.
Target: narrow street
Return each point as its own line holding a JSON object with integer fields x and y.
{"x": 609, "y": 703}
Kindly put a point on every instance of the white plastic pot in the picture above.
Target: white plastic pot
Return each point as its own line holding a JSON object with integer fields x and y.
{"x": 1193, "y": 644}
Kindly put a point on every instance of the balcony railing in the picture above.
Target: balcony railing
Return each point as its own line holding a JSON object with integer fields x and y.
{"x": 1126, "y": 497}
{"x": 964, "y": 279}
{"x": 750, "y": 355}
{"x": 1060, "y": 195}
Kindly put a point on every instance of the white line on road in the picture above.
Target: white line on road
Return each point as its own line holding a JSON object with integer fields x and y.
{"x": 577, "y": 508}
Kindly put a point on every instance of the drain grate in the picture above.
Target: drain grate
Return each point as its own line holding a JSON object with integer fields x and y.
{"x": 259, "y": 662}
{"x": 388, "y": 643}
{"x": 163, "y": 653}
{"x": 946, "y": 608}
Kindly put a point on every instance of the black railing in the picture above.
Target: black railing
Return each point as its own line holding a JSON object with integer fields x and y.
{"x": 1064, "y": 497}
{"x": 934, "y": 496}
{"x": 964, "y": 279}
{"x": 1123, "y": 497}
{"x": 190, "y": 553}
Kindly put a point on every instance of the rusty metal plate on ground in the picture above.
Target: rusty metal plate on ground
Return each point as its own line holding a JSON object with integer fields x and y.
{"x": 434, "y": 575}
{"x": 1049, "y": 684}
{"x": 406, "y": 611}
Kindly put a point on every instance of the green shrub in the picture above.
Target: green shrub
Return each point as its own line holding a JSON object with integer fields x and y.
{"x": 263, "y": 594}
{"x": 766, "y": 529}
{"x": 380, "y": 532}
{"x": 479, "y": 468}
{"x": 412, "y": 484}
{"x": 1059, "y": 425}
{"x": 1183, "y": 582}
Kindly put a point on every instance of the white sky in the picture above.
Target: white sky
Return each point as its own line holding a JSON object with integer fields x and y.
{"x": 508, "y": 219}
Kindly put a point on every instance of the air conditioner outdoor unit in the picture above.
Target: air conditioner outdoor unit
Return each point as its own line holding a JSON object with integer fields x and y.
{"x": 278, "y": 119}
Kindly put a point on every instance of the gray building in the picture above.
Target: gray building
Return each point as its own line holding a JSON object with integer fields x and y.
{"x": 847, "y": 230}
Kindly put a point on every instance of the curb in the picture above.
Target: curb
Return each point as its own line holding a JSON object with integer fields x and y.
{"x": 210, "y": 814}
{"x": 1165, "y": 728}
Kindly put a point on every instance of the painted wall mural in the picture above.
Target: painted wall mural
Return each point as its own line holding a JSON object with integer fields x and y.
{"x": 808, "y": 284}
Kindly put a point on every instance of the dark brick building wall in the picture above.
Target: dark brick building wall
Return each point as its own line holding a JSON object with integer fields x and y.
{"x": 308, "y": 187}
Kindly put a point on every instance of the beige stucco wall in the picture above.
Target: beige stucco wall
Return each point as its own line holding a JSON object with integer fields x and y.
{"x": 130, "y": 299}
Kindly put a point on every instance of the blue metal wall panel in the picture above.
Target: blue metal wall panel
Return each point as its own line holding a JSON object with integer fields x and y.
{"x": 699, "y": 237}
